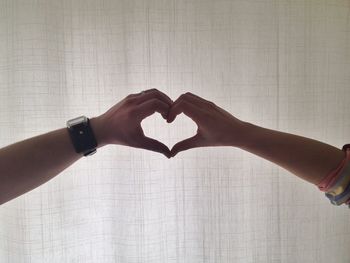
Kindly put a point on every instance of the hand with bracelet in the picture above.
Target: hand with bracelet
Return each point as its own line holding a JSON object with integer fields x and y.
{"x": 41, "y": 158}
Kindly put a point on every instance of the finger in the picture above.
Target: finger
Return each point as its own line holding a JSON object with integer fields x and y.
{"x": 188, "y": 108}
{"x": 186, "y": 144}
{"x": 150, "y": 107}
{"x": 152, "y": 94}
{"x": 198, "y": 101}
{"x": 154, "y": 145}
{"x": 133, "y": 95}
{"x": 195, "y": 98}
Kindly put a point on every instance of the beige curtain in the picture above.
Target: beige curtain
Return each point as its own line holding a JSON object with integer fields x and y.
{"x": 283, "y": 65}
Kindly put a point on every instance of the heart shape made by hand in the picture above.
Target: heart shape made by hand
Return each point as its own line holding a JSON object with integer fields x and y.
{"x": 157, "y": 128}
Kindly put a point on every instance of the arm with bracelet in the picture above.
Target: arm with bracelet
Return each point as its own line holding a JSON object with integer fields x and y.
{"x": 313, "y": 161}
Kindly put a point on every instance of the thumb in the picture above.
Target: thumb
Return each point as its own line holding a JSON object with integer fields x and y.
{"x": 154, "y": 145}
{"x": 186, "y": 144}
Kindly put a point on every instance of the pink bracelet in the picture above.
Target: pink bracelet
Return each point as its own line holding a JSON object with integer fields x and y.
{"x": 331, "y": 178}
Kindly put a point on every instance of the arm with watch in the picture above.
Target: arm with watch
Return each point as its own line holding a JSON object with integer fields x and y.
{"x": 27, "y": 164}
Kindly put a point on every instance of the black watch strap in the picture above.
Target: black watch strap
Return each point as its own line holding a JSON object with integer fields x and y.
{"x": 83, "y": 138}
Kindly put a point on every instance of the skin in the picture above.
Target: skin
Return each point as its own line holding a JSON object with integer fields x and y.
{"x": 27, "y": 164}
{"x": 121, "y": 124}
{"x": 306, "y": 158}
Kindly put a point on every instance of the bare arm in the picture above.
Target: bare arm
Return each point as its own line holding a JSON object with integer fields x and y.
{"x": 27, "y": 164}
{"x": 34, "y": 161}
{"x": 306, "y": 158}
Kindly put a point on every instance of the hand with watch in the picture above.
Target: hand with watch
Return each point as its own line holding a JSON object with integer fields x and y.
{"x": 29, "y": 163}
{"x": 121, "y": 124}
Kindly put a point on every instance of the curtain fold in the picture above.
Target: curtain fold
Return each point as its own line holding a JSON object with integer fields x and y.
{"x": 283, "y": 65}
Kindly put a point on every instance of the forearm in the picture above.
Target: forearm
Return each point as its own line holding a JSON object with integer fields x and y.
{"x": 307, "y": 158}
{"x": 27, "y": 164}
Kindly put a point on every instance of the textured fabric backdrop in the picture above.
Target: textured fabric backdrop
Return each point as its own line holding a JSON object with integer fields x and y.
{"x": 283, "y": 65}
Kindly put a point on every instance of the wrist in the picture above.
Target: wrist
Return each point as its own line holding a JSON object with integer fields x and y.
{"x": 256, "y": 137}
{"x": 248, "y": 136}
{"x": 98, "y": 128}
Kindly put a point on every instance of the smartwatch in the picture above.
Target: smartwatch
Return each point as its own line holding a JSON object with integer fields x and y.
{"x": 82, "y": 136}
